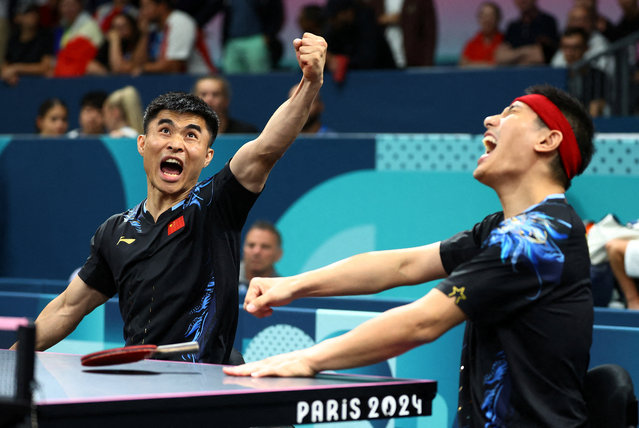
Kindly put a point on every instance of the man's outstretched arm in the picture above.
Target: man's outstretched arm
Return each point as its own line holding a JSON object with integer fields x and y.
{"x": 388, "y": 335}
{"x": 254, "y": 160}
{"x": 366, "y": 273}
{"x": 63, "y": 314}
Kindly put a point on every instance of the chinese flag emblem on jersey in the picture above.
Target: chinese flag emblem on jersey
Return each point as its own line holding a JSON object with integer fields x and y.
{"x": 175, "y": 225}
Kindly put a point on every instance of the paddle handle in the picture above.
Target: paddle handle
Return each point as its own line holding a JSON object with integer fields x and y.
{"x": 178, "y": 348}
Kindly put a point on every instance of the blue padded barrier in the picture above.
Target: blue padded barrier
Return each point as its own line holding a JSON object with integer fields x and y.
{"x": 320, "y": 318}
{"x": 616, "y": 345}
{"x": 420, "y": 100}
{"x": 616, "y": 317}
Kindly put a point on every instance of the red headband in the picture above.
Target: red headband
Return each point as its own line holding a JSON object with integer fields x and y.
{"x": 555, "y": 120}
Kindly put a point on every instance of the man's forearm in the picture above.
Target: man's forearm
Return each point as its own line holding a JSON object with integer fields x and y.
{"x": 372, "y": 272}
{"x": 52, "y": 326}
{"x": 287, "y": 121}
{"x": 388, "y": 335}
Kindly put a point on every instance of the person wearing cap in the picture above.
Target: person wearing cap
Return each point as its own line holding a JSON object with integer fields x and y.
{"x": 519, "y": 279}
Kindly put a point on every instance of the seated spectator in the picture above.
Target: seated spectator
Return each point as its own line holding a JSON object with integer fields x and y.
{"x": 573, "y": 47}
{"x": 80, "y": 38}
{"x": 116, "y": 54}
{"x": 262, "y": 249}
{"x": 250, "y": 29}
{"x": 123, "y": 113}
{"x": 91, "y": 119}
{"x": 410, "y": 28}
{"x": 624, "y": 262}
{"x": 215, "y": 90}
{"x": 52, "y": 119}
{"x": 30, "y": 50}
{"x": 581, "y": 17}
{"x": 355, "y": 40}
{"x": 106, "y": 12}
{"x": 480, "y": 50}
{"x": 532, "y": 39}
{"x": 314, "y": 123}
{"x": 629, "y": 21}
{"x": 173, "y": 48}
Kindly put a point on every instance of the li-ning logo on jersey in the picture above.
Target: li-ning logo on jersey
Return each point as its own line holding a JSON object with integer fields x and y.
{"x": 128, "y": 241}
{"x": 175, "y": 225}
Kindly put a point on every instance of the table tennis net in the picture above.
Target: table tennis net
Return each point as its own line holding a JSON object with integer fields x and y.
{"x": 8, "y": 378}
{"x": 17, "y": 373}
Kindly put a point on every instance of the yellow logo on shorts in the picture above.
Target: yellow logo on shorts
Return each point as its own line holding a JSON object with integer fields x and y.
{"x": 458, "y": 292}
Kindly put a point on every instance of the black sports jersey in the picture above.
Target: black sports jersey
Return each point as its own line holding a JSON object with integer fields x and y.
{"x": 176, "y": 278}
{"x": 524, "y": 284}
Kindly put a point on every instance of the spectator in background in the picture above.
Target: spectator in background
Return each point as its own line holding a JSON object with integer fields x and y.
{"x": 410, "y": 28}
{"x": 581, "y": 17}
{"x": 215, "y": 90}
{"x": 174, "y": 48}
{"x": 123, "y": 113}
{"x": 30, "y": 50}
{"x": 250, "y": 32}
{"x": 80, "y": 38}
{"x": 52, "y": 119}
{"x": 106, "y": 13}
{"x": 629, "y": 21}
{"x": 262, "y": 249}
{"x": 532, "y": 39}
{"x": 573, "y": 47}
{"x": 480, "y": 50}
{"x": 624, "y": 262}
{"x": 314, "y": 123}
{"x": 90, "y": 119}
{"x": 355, "y": 40}
{"x": 116, "y": 54}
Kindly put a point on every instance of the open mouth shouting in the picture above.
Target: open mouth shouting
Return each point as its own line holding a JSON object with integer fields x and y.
{"x": 171, "y": 168}
{"x": 490, "y": 142}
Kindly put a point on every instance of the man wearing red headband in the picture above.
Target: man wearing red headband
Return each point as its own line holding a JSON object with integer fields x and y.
{"x": 519, "y": 278}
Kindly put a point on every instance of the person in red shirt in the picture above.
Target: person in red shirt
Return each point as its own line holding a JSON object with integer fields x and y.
{"x": 480, "y": 50}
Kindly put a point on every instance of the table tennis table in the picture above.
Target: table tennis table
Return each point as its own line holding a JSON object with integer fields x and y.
{"x": 175, "y": 394}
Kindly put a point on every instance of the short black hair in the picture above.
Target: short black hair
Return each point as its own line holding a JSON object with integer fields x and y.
{"x": 495, "y": 8}
{"x": 48, "y": 104}
{"x": 580, "y": 122}
{"x": 267, "y": 225}
{"x": 182, "y": 102}
{"x": 94, "y": 99}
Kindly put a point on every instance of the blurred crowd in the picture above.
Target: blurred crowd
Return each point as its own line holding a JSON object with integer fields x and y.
{"x": 66, "y": 38}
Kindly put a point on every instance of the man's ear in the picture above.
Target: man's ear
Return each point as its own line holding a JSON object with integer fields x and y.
{"x": 209, "y": 157}
{"x": 141, "y": 141}
{"x": 551, "y": 141}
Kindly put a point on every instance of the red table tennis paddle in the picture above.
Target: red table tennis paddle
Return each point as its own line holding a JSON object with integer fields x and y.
{"x": 130, "y": 354}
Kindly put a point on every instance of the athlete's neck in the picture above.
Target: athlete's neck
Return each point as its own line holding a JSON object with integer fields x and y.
{"x": 517, "y": 202}
{"x": 158, "y": 202}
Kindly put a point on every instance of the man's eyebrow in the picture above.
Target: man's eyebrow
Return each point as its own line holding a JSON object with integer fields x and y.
{"x": 510, "y": 108}
{"x": 167, "y": 121}
{"x": 194, "y": 126}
